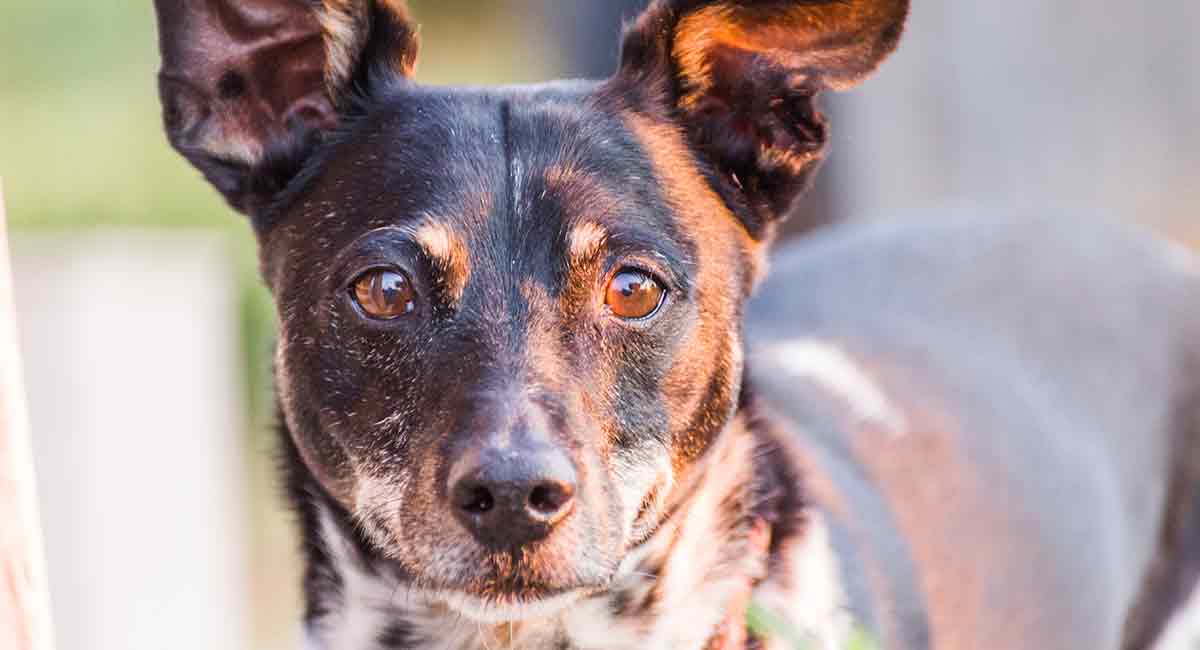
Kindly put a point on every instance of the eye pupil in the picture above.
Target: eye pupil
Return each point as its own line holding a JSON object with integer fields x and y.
{"x": 384, "y": 294}
{"x": 633, "y": 294}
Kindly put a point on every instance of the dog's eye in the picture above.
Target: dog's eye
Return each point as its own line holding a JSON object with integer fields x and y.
{"x": 384, "y": 294}
{"x": 633, "y": 294}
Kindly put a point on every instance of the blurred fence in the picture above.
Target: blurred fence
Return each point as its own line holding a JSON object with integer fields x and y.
{"x": 130, "y": 349}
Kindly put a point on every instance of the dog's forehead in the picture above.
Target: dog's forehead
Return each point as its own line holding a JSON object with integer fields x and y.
{"x": 509, "y": 168}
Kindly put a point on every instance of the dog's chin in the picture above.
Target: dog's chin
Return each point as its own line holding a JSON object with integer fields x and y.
{"x": 518, "y": 593}
{"x": 495, "y": 610}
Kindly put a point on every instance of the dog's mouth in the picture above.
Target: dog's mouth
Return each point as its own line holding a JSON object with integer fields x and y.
{"x": 496, "y": 605}
{"x": 510, "y": 588}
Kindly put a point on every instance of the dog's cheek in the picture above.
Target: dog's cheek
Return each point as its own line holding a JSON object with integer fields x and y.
{"x": 700, "y": 388}
{"x": 341, "y": 396}
{"x": 324, "y": 456}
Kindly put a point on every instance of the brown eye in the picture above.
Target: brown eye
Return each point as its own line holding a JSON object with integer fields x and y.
{"x": 384, "y": 294}
{"x": 633, "y": 294}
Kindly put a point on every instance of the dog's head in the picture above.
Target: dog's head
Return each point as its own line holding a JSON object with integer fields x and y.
{"x": 509, "y": 318}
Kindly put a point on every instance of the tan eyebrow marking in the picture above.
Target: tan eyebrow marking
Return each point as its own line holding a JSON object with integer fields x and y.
{"x": 449, "y": 255}
{"x": 585, "y": 241}
{"x": 583, "y": 195}
{"x": 581, "y": 191}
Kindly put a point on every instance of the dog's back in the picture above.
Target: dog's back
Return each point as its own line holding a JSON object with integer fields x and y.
{"x": 1001, "y": 422}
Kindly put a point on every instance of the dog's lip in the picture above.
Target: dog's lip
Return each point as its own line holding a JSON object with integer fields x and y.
{"x": 479, "y": 576}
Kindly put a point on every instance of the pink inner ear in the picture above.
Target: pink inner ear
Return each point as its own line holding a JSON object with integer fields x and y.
{"x": 238, "y": 75}
{"x": 289, "y": 75}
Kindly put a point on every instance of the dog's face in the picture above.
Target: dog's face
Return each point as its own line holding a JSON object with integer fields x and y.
{"x": 509, "y": 319}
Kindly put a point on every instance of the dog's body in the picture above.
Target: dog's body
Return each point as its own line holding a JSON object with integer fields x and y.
{"x": 512, "y": 369}
{"x": 1000, "y": 420}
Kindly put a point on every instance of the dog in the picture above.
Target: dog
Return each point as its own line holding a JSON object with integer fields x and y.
{"x": 527, "y": 402}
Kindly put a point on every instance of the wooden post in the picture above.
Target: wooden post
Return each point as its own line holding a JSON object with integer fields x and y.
{"x": 24, "y": 597}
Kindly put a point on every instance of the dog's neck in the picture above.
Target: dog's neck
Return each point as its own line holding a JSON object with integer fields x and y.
{"x": 686, "y": 587}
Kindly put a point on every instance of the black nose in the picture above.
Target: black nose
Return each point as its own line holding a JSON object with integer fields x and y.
{"x": 510, "y": 496}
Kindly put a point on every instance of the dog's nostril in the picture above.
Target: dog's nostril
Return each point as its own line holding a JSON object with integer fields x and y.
{"x": 548, "y": 499}
{"x": 476, "y": 499}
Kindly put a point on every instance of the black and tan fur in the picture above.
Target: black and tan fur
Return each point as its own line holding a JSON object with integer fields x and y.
{"x": 509, "y": 210}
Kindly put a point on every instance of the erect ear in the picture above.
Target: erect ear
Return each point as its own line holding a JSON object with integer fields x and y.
{"x": 249, "y": 86}
{"x": 741, "y": 77}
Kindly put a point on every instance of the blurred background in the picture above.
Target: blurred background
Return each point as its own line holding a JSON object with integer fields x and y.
{"x": 147, "y": 337}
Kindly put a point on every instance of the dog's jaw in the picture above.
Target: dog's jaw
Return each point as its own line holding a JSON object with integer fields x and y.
{"x": 679, "y": 589}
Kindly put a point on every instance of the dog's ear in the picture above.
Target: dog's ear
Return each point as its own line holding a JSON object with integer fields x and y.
{"x": 249, "y": 86}
{"x": 741, "y": 78}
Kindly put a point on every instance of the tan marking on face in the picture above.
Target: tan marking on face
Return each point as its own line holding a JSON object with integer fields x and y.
{"x": 585, "y": 195}
{"x": 697, "y": 205}
{"x": 585, "y": 242}
{"x": 449, "y": 255}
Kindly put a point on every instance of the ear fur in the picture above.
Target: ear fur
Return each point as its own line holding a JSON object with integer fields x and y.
{"x": 249, "y": 87}
{"x": 365, "y": 39}
{"x": 741, "y": 78}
